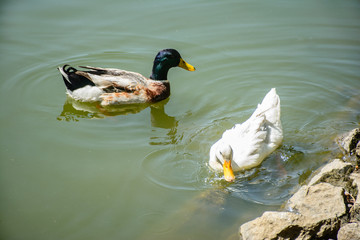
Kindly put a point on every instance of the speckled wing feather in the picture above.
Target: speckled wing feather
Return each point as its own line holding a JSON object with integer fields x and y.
{"x": 114, "y": 80}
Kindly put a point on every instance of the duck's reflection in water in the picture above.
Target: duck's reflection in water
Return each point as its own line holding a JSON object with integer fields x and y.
{"x": 159, "y": 119}
{"x": 75, "y": 111}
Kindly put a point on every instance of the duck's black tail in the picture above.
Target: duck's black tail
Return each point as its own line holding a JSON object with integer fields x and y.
{"x": 72, "y": 79}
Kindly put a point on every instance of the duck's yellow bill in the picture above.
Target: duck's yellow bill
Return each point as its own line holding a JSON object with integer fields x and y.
{"x": 185, "y": 65}
{"x": 228, "y": 172}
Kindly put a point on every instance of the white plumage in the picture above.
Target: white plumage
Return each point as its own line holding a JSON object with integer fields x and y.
{"x": 247, "y": 144}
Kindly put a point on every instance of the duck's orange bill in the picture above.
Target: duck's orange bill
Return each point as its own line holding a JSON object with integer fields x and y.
{"x": 228, "y": 172}
{"x": 185, "y": 65}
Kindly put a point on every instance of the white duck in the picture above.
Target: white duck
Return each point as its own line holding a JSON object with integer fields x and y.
{"x": 246, "y": 145}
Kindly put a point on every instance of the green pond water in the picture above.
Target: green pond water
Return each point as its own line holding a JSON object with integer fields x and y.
{"x": 76, "y": 171}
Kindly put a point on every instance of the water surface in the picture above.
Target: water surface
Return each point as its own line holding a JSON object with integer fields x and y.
{"x": 71, "y": 170}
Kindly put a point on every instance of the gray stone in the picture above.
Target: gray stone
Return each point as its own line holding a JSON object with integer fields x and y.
{"x": 355, "y": 208}
{"x": 355, "y": 177}
{"x": 315, "y": 215}
{"x": 357, "y": 150}
{"x": 327, "y": 208}
{"x": 332, "y": 172}
{"x": 321, "y": 201}
{"x": 272, "y": 225}
{"x": 321, "y": 205}
{"x": 350, "y": 231}
{"x": 350, "y": 142}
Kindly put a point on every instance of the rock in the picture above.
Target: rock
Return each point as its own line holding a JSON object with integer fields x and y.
{"x": 333, "y": 172}
{"x": 355, "y": 208}
{"x": 322, "y": 201}
{"x": 349, "y": 231}
{"x": 321, "y": 205}
{"x": 315, "y": 214}
{"x": 355, "y": 177}
{"x": 327, "y": 208}
{"x": 272, "y": 225}
{"x": 350, "y": 142}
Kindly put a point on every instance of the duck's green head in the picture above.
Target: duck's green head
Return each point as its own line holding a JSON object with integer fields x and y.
{"x": 165, "y": 60}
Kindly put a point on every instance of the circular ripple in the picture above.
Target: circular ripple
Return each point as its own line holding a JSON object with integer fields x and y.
{"x": 273, "y": 181}
{"x": 161, "y": 227}
{"x": 174, "y": 169}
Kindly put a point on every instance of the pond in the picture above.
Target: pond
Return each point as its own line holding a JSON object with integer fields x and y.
{"x": 71, "y": 170}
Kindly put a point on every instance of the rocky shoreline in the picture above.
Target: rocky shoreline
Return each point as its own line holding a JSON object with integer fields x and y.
{"x": 328, "y": 207}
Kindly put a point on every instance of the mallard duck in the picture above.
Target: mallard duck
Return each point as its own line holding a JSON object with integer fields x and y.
{"x": 111, "y": 86}
{"x": 246, "y": 145}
